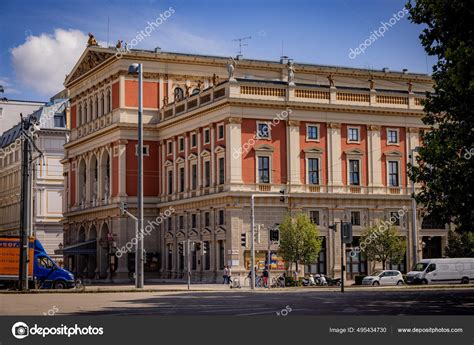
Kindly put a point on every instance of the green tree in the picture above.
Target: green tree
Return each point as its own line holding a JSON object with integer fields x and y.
{"x": 299, "y": 240}
{"x": 382, "y": 243}
{"x": 446, "y": 168}
{"x": 460, "y": 245}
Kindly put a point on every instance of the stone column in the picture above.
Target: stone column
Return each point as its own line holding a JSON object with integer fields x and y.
{"x": 293, "y": 149}
{"x": 233, "y": 150}
{"x": 334, "y": 156}
{"x": 374, "y": 158}
{"x": 122, "y": 165}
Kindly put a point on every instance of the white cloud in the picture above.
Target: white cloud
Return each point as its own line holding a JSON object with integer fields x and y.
{"x": 42, "y": 62}
{"x": 8, "y": 87}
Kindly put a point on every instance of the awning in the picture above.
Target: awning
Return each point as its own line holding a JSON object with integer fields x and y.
{"x": 88, "y": 247}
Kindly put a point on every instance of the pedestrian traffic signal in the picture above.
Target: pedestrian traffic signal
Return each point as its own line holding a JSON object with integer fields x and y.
{"x": 204, "y": 247}
{"x": 347, "y": 233}
{"x": 274, "y": 235}
{"x": 243, "y": 239}
{"x": 282, "y": 192}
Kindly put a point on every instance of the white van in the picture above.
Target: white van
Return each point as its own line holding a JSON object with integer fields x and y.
{"x": 442, "y": 271}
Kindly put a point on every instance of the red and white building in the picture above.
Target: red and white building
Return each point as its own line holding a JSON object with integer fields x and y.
{"x": 338, "y": 142}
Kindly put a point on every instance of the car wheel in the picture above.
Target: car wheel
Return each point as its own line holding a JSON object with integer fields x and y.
{"x": 375, "y": 283}
{"x": 424, "y": 282}
{"x": 465, "y": 280}
{"x": 60, "y": 285}
{"x": 400, "y": 282}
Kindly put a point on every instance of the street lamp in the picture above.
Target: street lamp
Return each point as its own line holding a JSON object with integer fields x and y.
{"x": 137, "y": 69}
{"x": 413, "y": 209}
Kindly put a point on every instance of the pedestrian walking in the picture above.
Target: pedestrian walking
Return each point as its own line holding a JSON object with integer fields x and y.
{"x": 229, "y": 275}
{"x": 226, "y": 275}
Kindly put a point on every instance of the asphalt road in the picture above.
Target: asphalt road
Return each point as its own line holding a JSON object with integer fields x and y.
{"x": 244, "y": 303}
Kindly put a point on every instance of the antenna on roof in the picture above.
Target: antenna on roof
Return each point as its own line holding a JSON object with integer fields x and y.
{"x": 241, "y": 44}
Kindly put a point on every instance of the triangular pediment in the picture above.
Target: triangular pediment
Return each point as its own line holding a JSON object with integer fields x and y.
{"x": 192, "y": 156}
{"x": 180, "y": 160}
{"x": 168, "y": 163}
{"x": 205, "y": 231}
{"x": 393, "y": 153}
{"x": 90, "y": 59}
{"x": 354, "y": 152}
{"x": 180, "y": 234}
{"x": 192, "y": 233}
{"x": 205, "y": 153}
{"x": 220, "y": 230}
{"x": 169, "y": 235}
{"x": 264, "y": 148}
{"x": 314, "y": 149}
{"x": 219, "y": 149}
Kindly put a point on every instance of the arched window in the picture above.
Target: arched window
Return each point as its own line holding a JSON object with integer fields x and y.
{"x": 195, "y": 92}
{"x": 79, "y": 114}
{"x": 178, "y": 94}
{"x": 96, "y": 107}
{"x": 101, "y": 105}
{"x": 108, "y": 102}
{"x": 89, "y": 113}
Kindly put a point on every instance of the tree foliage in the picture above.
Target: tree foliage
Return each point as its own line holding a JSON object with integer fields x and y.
{"x": 299, "y": 240}
{"x": 460, "y": 245}
{"x": 381, "y": 242}
{"x": 445, "y": 166}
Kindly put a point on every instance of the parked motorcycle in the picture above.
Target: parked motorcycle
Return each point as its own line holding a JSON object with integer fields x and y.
{"x": 333, "y": 282}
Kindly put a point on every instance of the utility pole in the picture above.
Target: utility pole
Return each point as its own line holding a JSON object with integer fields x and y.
{"x": 138, "y": 69}
{"x": 343, "y": 249}
{"x": 240, "y": 40}
{"x": 188, "y": 257}
{"x": 413, "y": 212}
{"x": 24, "y": 220}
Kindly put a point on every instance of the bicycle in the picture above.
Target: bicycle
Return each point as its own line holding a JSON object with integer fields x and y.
{"x": 259, "y": 282}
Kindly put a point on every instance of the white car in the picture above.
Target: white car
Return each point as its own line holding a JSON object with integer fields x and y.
{"x": 387, "y": 277}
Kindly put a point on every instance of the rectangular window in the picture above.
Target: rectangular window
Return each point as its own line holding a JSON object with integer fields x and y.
{"x": 263, "y": 130}
{"x": 181, "y": 222}
{"x": 207, "y": 219}
{"x": 170, "y": 147}
{"x": 394, "y": 218}
{"x": 312, "y": 133}
{"x": 181, "y": 144}
{"x": 146, "y": 150}
{"x": 220, "y": 132}
{"x": 207, "y": 256}
{"x": 58, "y": 121}
{"x": 221, "y": 170}
{"x": 353, "y": 134}
{"x": 313, "y": 170}
{"x": 207, "y": 173}
{"x": 194, "y": 176}
{"x": 221, "y": 217}
{"x": 392, "y": 136}
{"x": 354, "y": 172}
{"x": 207, "y": 136}
{"x": 181, "y": 179}
{"x": 170, "y": 224}
{"x": 314, "y": 216}
{"x": 221, "y": 254}
{"x": 193, "y": 221}
{"x": 393, "y": 174}
{"x": 263, "y": 169}
{"x": 170, "y": 181}
{"x": 355, "y": 218}
{"x": 193, "y": 140}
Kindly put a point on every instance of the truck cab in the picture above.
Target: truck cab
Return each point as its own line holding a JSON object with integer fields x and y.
{"x": 47, "y": 273}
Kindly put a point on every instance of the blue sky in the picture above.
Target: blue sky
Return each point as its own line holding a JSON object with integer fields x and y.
{"x": 318, "y": 31}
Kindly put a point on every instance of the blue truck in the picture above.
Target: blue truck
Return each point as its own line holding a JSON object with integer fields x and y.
{"x": 43, "y": 272}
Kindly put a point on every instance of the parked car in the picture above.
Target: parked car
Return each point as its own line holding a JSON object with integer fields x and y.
{"x": 386, "y": 277}
{"x": 442, "y": 271}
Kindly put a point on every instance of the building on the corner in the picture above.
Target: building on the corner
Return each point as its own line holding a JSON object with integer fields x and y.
{"x": 47, "y": 183}
{"x": 338, "y": 142}
{"x": 10, "y": 110}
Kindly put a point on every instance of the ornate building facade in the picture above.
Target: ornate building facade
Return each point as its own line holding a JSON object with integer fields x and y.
{"x": 216, "y": 131}
{"x": 47, "y": 184}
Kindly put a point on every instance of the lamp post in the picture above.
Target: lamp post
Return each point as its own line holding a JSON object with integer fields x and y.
{"x": 413, "y": 211}
{"x": 137, "y": 69}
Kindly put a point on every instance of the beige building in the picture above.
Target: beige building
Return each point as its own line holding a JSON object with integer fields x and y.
{"x": 337, "y": 140}
{"x": 10, "y": 110}
{"x": 47, "y": 182}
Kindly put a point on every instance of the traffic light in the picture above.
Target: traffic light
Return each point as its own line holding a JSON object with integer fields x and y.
{"x": 123, "y": 207}
{"x": 347, "y": 233}
{"x": 204, "y": 247}
{"x": 243, "y": 239}
{"x": 274, "y": 235}
{"x": 282, "y": 192}
{"x": 180, "y": 248}
{"x": 197, "y": 246}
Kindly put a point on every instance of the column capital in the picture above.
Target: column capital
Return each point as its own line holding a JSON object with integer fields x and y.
{"x": 334, "y": 125}
{"x": 413, "y": 130}
{"x": 374, "y": 127}
{"x": 233, "y": 120}
{"x": 293, "y": 123}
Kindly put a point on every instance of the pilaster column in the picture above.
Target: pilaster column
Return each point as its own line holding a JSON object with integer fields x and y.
{"x": 374, "y": 156}
{"x": 334, "y": 154}
{"x": 293, "y": 149}
{"x": 88, "y": 179}
{"x": 233, "y": 150}
{"x": 122, "y": 164}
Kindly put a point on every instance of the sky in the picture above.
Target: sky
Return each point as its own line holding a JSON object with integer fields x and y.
{"x": 40, "y": 41}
